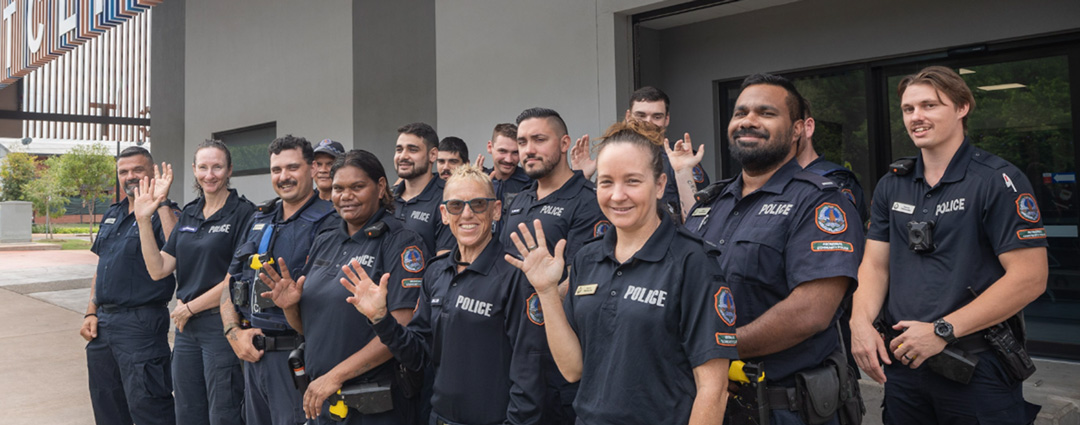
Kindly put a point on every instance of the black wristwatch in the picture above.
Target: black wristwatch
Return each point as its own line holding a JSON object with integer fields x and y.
{"x": 166, "y": 203}
{"x": 944, "y": 330}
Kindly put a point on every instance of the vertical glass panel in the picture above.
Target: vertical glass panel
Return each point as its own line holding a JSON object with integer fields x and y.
{"x": 838, "y": 105}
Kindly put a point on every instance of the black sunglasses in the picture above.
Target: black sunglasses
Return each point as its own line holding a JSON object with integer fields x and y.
{"x": 477, "y": 205}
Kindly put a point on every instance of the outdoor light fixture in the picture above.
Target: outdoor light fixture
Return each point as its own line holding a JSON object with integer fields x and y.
{"x": 1002, "y": 87}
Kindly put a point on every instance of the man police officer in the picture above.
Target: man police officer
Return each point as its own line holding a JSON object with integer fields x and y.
{"x": 326, "y": 153}
{"x": 788, "y": 251}
{"x": 127, "y": 321}
{"x": 284, "y": 228}
{"x": 956, "y": 246}
{"x": 417, "y": 197}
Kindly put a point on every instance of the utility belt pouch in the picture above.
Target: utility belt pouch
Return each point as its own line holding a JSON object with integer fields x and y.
{"x": 408, "y": 381}
{"x": 852, "y": 408}
{"x": 1010, "y": 351}
{"x": 818, "y": 394}
{"x": 954, "y": 364}
{"x": 365, "y": 398}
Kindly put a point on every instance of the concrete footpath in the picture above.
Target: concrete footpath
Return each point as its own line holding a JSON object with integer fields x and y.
{"x": 43, "y": 295}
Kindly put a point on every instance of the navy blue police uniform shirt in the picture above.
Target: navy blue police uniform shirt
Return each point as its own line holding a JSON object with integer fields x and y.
{"x": 289, "y": 239}
{"x": 506, "y": 190}
{"x": 421, "y": 215}
{"x": 794, "y": 229}
{"x": 570, "y": 213}
{"x": 203, "y": 246}
{"x": 122, "y": 278}
{"x": 982, "y": 207}
{"x": 333, "y": 329}
{"x": 846, "y": 180}
{"x": 645, "y": 324}
{"x": 483, "y": 331}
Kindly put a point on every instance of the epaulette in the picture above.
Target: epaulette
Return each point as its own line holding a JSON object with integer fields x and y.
{"x": 825, "y": 168}
{"x": 988, "y": 159}
{"x": 821, "y": 182}
{"x": 191, "y": 204}
{"x": 903, "y": 166}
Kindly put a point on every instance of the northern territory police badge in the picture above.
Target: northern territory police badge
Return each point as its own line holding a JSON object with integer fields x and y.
{"x": 533, "y": 310}
{"x": 725, "y": 305}
{"x": 830, "y": 218}
{"x": 1027, "y": 207}
{"x": 412, "y": 260}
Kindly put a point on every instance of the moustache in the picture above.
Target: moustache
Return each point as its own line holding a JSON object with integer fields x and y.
{"x": 287, "y": 183}
{"x": 749, "y": 132}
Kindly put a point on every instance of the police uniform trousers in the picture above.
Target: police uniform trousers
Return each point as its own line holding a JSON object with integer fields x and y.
{"x": 128, "y": 366}
{"x": 920, "y": 396}
{"x": 270, "y": 396}
{"x": 208, "y": 380}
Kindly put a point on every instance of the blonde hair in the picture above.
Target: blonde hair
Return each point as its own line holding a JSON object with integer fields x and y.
{"x": 469, "y": 172}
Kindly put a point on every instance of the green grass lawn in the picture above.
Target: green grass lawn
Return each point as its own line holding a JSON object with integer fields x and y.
{"x": 68, "y": 243}
{"x": 65, "y": 228}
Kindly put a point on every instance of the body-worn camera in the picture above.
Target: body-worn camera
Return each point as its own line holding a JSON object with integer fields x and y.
{"x": 240, "y": 293}
{"x": 921, "y": 236}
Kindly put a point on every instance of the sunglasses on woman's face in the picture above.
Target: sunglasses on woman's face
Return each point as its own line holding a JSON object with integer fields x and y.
{"x": 477, "y": 205}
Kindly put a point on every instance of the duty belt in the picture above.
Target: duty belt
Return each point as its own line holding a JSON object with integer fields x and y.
{"x": 278, "y": 342}
{"x": 207, "y": 312}
{"x": 114, "y": 308}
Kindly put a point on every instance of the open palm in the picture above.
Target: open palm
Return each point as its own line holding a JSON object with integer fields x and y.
{"x": 541, "y": 267}
{"x": 284, "y": 291}
{"x": 144, "y": 202}
{"x": 368, "y": 298}
{"x": 163, "y": 177}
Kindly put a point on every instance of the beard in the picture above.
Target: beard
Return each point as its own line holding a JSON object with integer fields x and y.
{"x": 541, "y": 172}
{"x": 417, "y": 171}
{"x": 757, "y": 158}
{"x": 129, "y": 187}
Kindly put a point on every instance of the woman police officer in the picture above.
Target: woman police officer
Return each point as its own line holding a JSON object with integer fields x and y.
{"x": 341, "y": 349}
{"x": 207, "y": 379}
{"x": 478, "y": 319}
{"x": 646, "y": 326}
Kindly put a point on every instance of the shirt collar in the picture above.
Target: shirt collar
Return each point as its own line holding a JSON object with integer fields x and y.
{"x": 280, "y": 210}
{"x": 654, "y": 249}
{"x": 434, "y": 184}
{"x": 957, "y": 167}
{"x": 230, "y": 204}
{"x": 519, "y": 175}
{"x": 484, "y": 263}
{"x": 775, "y": 185}
{"x": 568, "y": 190}
{"x": 360, "y": 236}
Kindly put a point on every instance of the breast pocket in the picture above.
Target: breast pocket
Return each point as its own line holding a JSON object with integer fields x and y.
{"x": 132, "y": 245}
{"x": 758, "y": 256}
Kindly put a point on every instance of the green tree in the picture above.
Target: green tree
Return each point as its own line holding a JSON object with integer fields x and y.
{"x": 16, "y": 171}
{"x": 49, "y": 194}
{"x": 88, "y": 171}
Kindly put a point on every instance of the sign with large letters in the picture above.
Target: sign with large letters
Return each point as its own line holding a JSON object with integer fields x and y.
{"x": 34, "y": 32}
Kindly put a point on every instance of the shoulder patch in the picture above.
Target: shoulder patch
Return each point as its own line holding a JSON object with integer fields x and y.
{"x": 698, "y": 173}
{"x": 412, "y": 260}
{"x": 725, "y": 305}
{"x": 1027, "y": 208}
{"x": 727, "y": 340}
{"x": 821, "y": 182}
{"x": 533, "y": 310}
{"x": 830, "y": 218}
{"x": 411, "y": 283}
{"x": 850, "y": 196}
{"x": 1025, "y": 234}
{"x": 601, "y": 227}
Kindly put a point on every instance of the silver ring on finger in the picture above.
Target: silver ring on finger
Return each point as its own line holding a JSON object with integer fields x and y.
{"x": 530, "y": 248}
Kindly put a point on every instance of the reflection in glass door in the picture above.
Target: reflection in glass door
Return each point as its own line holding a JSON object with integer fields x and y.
{"x": 1023, "y": 113}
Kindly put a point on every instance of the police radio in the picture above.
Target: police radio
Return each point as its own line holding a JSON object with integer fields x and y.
{"x": 921, "y": 236}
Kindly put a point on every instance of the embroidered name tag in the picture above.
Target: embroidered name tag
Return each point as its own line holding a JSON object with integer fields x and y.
{"x": 698, "y": 212}
{"x": 585, "y": 290}
{"x": 110, "y": 220}
{"x": 903, "y": 208}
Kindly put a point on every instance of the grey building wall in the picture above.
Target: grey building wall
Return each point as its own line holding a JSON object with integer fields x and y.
{"x": 167, "y": 37}
{"x": 814, "y": 33}
{"x": 256, "y": 61}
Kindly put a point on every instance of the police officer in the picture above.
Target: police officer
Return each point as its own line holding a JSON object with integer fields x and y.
{"x": 844, "y": 178}
{"x": 956, "y": 246}
{"x": 282, "y": 228}
{"x": 207, "y": 378}
{"x": 507, "y": 176}
{"x": 478, "y": 319}
{"x": 341, "y": 349}
{"x": 418, "y": 195}
{"x": 326, "y": 153}
{"x": 787, "y": 247}
{"x": 453, "y": 153}
{"x": 650, "y": 104}
{"x": 647, "y": 312}
{"x": 562, "y": 199}
{"x": 127, "y": 321}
